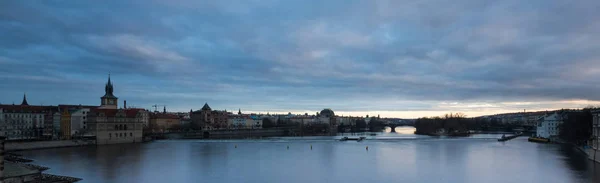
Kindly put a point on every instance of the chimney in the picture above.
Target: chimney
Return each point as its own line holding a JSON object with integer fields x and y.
{"x": 124, "y": 104}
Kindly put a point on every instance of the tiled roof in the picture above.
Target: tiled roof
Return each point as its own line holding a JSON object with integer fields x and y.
{"x": 62, "y": 106}
{"x": 129, "y": 113}
{"x": 27, "y": 108}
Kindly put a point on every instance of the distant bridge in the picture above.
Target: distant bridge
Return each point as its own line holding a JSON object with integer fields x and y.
{"x": 393, "y": 125}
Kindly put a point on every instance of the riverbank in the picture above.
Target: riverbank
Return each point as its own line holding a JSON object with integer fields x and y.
{"x": 593, "y": 154}
{"x": 21, "y": 146}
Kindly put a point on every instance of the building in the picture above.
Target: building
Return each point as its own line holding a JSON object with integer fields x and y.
{"x": 79, "y": 121}
{"x": 56, "y": 124}
{"x": 23, "y": 121}
{"x": 548, "y": 126}
{"x": 594, "y": 142}
{"x": 111, "y": 125}
{"x": 65, "y": 124}
{"x": 244, "y": 121}
{"x": 162, "y": 122}
{"x": 209, "y": 119}
{"x": 72, "y": 120}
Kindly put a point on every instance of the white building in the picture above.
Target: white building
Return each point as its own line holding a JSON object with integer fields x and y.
{"x": 548, "y": 126}
{"x": 79, "y": 120}
{"x": 242, "y": 121}
{"x": 22, "y": 121}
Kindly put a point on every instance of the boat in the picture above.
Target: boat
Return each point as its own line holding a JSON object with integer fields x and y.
{"x": 505, "y": 138}
{"x": 355, "y": 139}
{"x": 538, "y": 139}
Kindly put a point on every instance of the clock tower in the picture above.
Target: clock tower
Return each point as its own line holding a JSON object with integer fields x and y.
{"x": 109, "y": 101}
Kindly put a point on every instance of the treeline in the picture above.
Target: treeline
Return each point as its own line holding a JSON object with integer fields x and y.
{"x": 450, "y": 124}
{"x": 577, "y": 126}
{"x": 302, "y": 129}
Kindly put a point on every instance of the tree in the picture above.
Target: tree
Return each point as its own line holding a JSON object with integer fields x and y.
{"x": 361, "y": 123}
{"x": 576, "y": 128}
{"x": 267, "y": 123}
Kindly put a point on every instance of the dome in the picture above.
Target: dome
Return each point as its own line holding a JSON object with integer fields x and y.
{"x": 327, "y": 113}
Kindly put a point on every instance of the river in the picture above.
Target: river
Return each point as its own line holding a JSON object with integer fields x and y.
{"x": 391, "y": 157}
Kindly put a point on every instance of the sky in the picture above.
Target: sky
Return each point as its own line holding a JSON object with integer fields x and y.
{"x": 394, "y": 58}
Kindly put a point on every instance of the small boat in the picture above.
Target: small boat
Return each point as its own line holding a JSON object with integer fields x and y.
{"x": 505, "y": 138}
{"x": 538, "y": 139}
{"x": 355, "y": 139}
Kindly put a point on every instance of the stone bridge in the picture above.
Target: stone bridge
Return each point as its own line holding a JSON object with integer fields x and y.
{"x": 393, "y": 125}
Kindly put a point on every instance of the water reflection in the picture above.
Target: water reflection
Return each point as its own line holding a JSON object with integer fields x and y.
{"x": 401, "y": 130}
{"x": 392, "y": 157}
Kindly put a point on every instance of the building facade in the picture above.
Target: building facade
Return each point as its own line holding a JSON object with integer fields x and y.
{"x": 65, "y": 124}
{"x": 548, "y": 126}
{"x": 209, "y": 119}
{"x": 112, "y": 126}
{"x": 244, "y": 121}
{"x": 162, "y": 122}
{"x": 79, "y": 121}
{"x": 23, "y": 121}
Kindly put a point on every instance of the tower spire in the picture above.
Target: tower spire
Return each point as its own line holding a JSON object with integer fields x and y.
{"x": 24, "y": 99}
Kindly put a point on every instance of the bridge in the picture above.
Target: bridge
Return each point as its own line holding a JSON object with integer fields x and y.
{"x": 394, "y": 124}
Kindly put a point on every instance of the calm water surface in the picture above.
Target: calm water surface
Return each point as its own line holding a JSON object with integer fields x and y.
{"x": 391, "y": 157}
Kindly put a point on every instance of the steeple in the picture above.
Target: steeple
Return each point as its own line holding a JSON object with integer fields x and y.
{"x": 109, "y": 101}
{"x": 108, "y": 88}
{"x": 164, "y": 109}
{"x": 239, "y": 111}
{"x": 24, "y": 100}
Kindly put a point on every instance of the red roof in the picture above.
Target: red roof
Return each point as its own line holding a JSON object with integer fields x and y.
{"x": 62, "y": 106}
{"x": 129, "y": 113}
{"x": 27, "y": 108}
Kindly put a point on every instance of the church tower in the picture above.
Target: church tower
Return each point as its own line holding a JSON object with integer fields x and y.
{"x": 109, "y": 101}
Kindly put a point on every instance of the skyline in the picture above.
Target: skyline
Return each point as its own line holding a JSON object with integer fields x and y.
{"x": 390, "y": 58}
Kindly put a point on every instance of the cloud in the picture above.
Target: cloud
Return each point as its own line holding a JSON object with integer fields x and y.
{"x": 408, "y": 58}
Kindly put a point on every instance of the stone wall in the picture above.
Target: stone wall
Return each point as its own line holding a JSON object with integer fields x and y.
{"x": 594, "y": 155}
{"x": 17, "y": 146}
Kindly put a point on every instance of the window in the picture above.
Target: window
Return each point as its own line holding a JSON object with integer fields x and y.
{"x": 109, "y": 136}
{"x": 130, "y": 134}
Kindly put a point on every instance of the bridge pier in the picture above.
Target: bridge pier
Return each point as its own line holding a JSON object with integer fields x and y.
{"x": 393, "y": 128}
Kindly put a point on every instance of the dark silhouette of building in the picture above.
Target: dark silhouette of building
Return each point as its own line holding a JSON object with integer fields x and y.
{"x": 207, "y": 119}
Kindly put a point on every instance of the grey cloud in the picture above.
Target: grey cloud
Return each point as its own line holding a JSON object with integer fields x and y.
{"x": 352, "y": 55}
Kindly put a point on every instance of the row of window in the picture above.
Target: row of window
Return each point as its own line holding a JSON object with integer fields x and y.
{"x": 120, "y": 127}
{"x": 119, "y": 135}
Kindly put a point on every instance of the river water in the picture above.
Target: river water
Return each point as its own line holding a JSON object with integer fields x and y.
{"x": 391, "y": 157}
